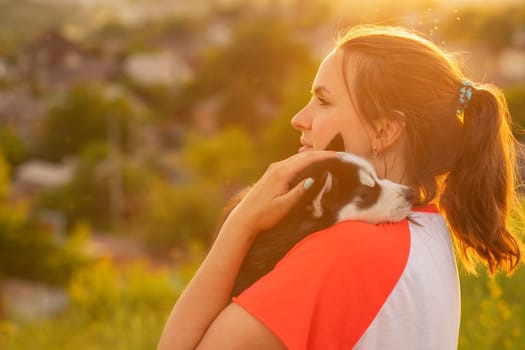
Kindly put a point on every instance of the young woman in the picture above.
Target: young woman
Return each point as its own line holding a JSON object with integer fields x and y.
{"x": 402, "y": 103}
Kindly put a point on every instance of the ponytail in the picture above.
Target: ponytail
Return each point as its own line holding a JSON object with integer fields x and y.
{"x": 479, "y": 189}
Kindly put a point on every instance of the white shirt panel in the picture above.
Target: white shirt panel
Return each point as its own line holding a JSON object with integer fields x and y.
{"x": 423, "y": 310}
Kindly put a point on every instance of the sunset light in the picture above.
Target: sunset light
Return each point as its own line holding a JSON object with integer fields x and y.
{"x": 129, "y": 128}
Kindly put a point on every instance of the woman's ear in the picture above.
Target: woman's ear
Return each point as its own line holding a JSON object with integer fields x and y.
{"x": 389, "y": 129}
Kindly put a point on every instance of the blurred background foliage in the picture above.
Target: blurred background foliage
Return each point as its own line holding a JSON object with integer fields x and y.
{"x": 126, "y": 126}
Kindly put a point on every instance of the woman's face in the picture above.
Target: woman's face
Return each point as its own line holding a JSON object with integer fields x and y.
{"x": 331, "y": 112}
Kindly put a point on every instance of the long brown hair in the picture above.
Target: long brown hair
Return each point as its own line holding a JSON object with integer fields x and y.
{"x": 463, "y": 161}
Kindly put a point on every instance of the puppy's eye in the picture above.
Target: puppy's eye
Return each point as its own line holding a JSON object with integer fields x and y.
{"x": 365, "y": 193}
{"x": 366, "y": 187}
{"x": 367, "y": 196}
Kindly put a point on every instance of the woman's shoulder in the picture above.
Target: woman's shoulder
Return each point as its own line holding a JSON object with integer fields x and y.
{"x": 360, "y": 238}
{"x": 349, "y": 268}
{"x": 356, "y": 240}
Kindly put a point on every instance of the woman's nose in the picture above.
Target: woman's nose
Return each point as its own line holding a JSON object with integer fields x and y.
{"x": 300, "y": 121}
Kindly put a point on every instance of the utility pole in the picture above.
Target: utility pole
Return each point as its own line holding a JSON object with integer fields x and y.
{"x": 116, "y": 192}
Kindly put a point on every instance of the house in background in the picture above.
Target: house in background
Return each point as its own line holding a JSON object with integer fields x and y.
{"x": 157, "y": 68}
{"x": 37, "y": 175}
{"x": 54, "y": 61}
{"x": 22, "y": 111}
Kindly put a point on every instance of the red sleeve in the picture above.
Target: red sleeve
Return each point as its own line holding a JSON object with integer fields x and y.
{"x": 328, "y": 289}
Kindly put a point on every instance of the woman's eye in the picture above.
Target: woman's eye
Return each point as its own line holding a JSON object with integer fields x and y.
{"x": 322, "y": 101}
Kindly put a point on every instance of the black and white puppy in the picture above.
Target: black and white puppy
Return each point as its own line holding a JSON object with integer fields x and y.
{"x": 344, "y": 188}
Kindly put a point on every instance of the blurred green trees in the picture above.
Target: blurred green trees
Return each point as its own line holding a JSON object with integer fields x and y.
{"x": 229, "y": 157}
{"x": 515, "y": 96}
{"x": 175, "y": 216}
{"x": 211, "y": 169}
{"x": 14, "y": 149}
{"x": 84, "y": 115}
{"x": 27, "y": 248}
{"x": 489, "y": 26}
{"x": 86, "y": 196}
{"x": 252, "y": 74}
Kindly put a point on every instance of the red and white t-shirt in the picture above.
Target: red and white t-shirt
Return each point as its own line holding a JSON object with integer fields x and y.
{"x": 363, "y": 286}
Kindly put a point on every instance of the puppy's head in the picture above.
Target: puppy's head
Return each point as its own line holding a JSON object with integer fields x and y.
{"x": 347, "y": 188}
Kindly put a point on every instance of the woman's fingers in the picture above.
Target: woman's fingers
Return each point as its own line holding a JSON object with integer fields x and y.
{"x": 288, "y": 200}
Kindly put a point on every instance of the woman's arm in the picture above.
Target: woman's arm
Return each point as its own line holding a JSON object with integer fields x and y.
{"x": 207, "y": 294}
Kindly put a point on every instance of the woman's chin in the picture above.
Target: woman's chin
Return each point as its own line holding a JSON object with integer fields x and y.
{"x": 305, "y": 149}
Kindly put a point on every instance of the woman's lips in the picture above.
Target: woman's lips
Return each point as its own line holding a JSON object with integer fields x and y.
{"x": 305, "y": 145}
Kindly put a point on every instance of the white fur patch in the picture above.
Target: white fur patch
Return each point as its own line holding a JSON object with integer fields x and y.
{"x": 317, "y": 206}
{"x": 391, "y": 205}
{"x": 365, "y": 178}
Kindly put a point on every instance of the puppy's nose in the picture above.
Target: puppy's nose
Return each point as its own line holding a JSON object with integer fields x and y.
{"x": 409, "y": 195}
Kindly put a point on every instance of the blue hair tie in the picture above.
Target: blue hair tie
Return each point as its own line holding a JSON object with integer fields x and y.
{"x": 465, "y": 94}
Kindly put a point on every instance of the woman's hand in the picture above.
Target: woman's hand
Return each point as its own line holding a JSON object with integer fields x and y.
{"x": 271, "y": 198}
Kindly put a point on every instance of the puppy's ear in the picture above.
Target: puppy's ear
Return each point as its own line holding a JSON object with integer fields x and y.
{"x": 316, "y": 203}
{"x": 366, "y": 179}
{"x": 337, "y": 144}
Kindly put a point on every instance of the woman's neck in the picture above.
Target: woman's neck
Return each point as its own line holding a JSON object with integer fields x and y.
{"x": 392, "y": 165}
